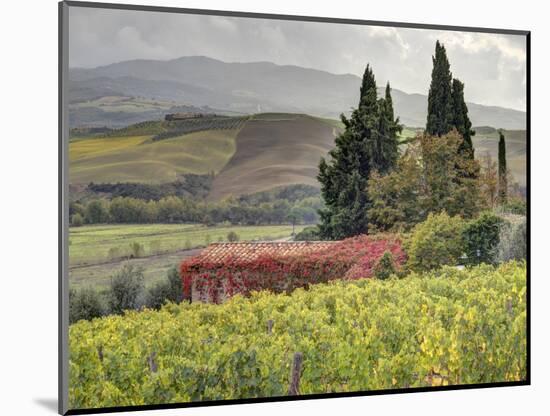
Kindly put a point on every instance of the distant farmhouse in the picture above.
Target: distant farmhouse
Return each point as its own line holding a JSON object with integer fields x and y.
{"x": 223, "y": 270}
{"x": 218, "y": 256}
{"x": 185, "y": 116}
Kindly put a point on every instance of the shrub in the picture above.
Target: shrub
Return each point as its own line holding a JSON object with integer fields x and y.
{"x": 136, "y": 250}
{"x": 232, "y": 236}
{"x": 435, "y": 242}
{"x": 208, "y": 221}
{"x": 84, "y": 304}
{"x": 126, "y": 289}
{"x": 481, "y": 238}
{"x": 516, "y": 206}
{"x": 512, "y": 241}
{"x": 114, "y": 253}
{"x": 175, "y": 284}
{"x": 167, "y": 290}
{"x": 157, "y": 294}
{"x": 385, "y": 266}
{"x": 77, "y": 220}
{"x": 308, "y": 234}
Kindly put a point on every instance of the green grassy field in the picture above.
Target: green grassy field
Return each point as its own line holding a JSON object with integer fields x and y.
{"x": 138, "y": 159}
{"x": 124, "y": 104}
{"x": 97, "y": 251}
{"x": 408, "y": 133}
{"x": 95, "y": 244}
{"x": 154, "y": 268}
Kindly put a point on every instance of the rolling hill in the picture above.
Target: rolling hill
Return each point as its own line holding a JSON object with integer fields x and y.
{"x": 275, "y": 150}
{"x": 486, "y": 141}
{"x": 266, "y": 151}
{"x": 141, "y": 160}
{"x": 244, "y": 88}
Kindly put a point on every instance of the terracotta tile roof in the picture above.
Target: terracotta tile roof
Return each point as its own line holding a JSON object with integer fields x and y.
{"x": 218, "y": 252}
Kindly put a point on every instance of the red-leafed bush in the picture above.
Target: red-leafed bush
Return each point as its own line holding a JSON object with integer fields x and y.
{"x": 353, "y": 258}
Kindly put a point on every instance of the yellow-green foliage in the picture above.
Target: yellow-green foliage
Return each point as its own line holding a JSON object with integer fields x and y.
{"x": 435, "y": 242}
{"x": 138, "y": 159}
{"x": 443, "y": 328}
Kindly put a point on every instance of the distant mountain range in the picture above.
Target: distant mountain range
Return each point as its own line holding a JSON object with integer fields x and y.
{"x": 241, "y": 88}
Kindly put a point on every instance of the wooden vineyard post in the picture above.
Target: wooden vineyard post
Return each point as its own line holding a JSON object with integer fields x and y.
{"x": 294, "y": 388}
{"x": 269, "y": 326}
{"x": 100, "y": 353}
{"x": 152, "y": 362}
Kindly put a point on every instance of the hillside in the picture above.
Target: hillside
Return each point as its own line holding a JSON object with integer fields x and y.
{"x": 274, "y": 150}
{"x": 241, "y": 88}
{"x": 139, "y": 159}
{"x": 486, "y": 140}
{"x": 265, "y": 151}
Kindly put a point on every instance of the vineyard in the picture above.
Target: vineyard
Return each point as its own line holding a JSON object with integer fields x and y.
{"x": 192, "y": 125}
{"x": 445, "y": 327}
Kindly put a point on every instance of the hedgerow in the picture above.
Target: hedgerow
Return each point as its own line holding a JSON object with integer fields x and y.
{"x": 447, "y": 327}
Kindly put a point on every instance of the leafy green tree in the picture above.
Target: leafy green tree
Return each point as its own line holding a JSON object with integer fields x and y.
{"x": 481, "y": 238}
{"x": 126, "y": 289}
{"x": 84, "y": 304}
{"x": 440, "y": 103}
{"x": 367, "y": 144}
{"x": 308, "y": 234}
{"x": 512, "y": 241}
{"x": 97, "y": 211}
{"x": 76, "y": 208}
{"x": 398, "y": 200}
{"x": 77, "y": 220}
{"x": 385, "y": 266}
{"x": 232, "y": 236}
{"x": 488, "y": 180}
{"x": 430, "y": 177}
{"x": 295, "y": 216}
{"x": 435, "y": 242}
{"x": 167, "y": 290}
{"x": 502, "y": 170}
{"x": 461, "y": 121}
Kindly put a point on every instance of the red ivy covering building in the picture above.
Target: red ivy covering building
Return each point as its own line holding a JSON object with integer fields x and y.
{"x": 225, "y": 269}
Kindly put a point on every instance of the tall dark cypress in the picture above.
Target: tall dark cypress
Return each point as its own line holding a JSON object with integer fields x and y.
{"x": 461, "y": 121}
{"x": 389, "y": 102}
{"x": 368, "y": 142}
{"x": 502, "y": 170}
{"x": 440, "y": 108}
{"x": 388, "y": 129}
{"x": 368, "y": 86}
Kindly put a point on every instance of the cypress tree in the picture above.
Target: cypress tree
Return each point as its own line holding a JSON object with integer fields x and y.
{"x": 388, "y": 128}
{"x": 502, "y": 171}
{"x": 389, "y": 102}
{"x": 461, "y": 121}
{"x": 368, "y": 86}
{"x": 440, "y": 108}
{"x": 369, "y": 142}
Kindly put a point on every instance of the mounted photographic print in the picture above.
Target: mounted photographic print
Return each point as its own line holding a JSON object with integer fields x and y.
{"x": 263, "y": 207}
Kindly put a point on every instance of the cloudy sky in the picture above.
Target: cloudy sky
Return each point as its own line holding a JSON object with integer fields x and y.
{"x": 493, "y": 67}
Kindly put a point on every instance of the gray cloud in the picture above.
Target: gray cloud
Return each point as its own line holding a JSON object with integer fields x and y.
{"x": 492, "y": 66}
